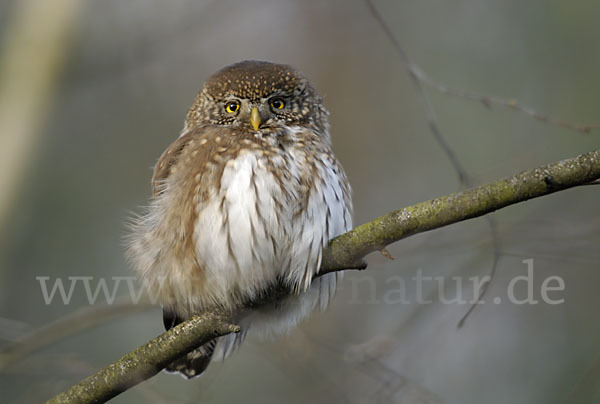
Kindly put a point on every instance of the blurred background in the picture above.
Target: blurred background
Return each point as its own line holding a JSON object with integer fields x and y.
{"x": 92, "y": 92}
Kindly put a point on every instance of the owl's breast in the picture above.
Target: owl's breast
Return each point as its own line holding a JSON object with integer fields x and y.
{"x": 273, "y": 213}
{"x": 224, "y": 229}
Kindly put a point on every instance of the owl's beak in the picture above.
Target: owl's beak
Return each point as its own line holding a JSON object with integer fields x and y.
{"x": 255, "y": 118}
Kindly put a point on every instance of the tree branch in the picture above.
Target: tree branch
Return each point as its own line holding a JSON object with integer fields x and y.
{"x": 348, "y": 250}
{"x": 147, "y": 360}
{"x": 344, "y": 252}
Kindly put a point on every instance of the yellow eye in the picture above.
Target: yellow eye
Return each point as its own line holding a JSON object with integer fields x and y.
{"x": 232, "y": 107}
{"x": 277, "y": 103}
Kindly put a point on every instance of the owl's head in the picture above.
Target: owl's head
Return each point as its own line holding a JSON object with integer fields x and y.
{"x": 258, "y": 96}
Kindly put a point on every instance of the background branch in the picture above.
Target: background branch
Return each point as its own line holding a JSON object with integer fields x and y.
{"x": 419, "y": 77}
{"x": 344, "y": 252}
{"x": 82, "y": 319}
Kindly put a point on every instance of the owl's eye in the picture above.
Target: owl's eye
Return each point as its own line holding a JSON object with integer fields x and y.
{"x": 232, "y": 107}
{"x": 277, "y": 103}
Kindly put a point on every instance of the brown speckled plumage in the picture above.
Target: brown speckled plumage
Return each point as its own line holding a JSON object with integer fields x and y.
{"x": 254, "y": 80}
{"x": 258, "y": 81}
{"x": 243, "y": 202}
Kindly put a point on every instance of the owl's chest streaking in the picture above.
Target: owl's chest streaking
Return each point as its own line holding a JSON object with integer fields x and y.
{"x": 234, "y": 215}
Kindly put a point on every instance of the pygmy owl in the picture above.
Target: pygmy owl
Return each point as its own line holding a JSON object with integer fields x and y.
{"x": 244, "y": 201}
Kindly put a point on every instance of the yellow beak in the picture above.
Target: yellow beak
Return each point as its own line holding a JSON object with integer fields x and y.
{"x": 255, "y": 118}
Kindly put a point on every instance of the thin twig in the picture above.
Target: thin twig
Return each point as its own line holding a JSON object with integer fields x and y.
{"x": 485, "y": 285}
{"x": 417, "y": 76}
{"x": 421, "y": 76}
{"x": 412, "y": 69}
{"x": 510, "y": 103}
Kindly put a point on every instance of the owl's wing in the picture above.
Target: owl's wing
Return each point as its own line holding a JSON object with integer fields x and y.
{"x": 163, "y": 166}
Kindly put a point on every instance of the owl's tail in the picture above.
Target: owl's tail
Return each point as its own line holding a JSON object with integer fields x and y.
{"x": 193, "y": 363}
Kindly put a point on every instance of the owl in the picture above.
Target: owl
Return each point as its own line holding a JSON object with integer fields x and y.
{"x": 244, "y": 202}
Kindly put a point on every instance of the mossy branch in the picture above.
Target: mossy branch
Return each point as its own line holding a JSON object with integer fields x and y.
{"x": 144, "y": 362}
{"x": 344, "y": 252}
{"x": 347, "y": 251}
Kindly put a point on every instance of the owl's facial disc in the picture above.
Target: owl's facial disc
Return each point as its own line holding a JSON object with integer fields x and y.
{"x": 250, "y": 114}
{"x": 264, "y": 113}
{"x": 258, "y": 96}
